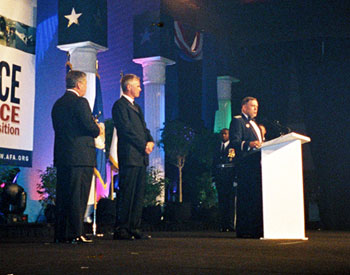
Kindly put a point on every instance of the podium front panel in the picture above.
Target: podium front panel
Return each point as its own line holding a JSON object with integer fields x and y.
{"x": 282, "y": 191}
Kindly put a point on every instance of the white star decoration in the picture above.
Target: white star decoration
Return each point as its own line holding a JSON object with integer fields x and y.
{"x": 73, "y": 18}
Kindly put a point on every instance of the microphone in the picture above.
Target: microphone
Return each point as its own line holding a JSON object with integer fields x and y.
{"x": 285, "y": 129}
{"x": 277, "y": 125}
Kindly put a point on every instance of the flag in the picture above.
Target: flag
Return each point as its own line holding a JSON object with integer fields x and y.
{"x": 100, "y": 171}
{"x": 187, "y": 52}
{"x": 69, "y": 66}
{"x": 113, "y": 151}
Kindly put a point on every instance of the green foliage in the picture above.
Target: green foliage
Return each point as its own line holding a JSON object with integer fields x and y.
{"x": 47, "y": 187}
{"x": 198, "y": 187}
{"x": 203, "y": 148}
{"x": 207, "y": 196}
{"x": 176, "y": 140}
{"x": 180, "y": 143}
{"x": 155, "y": 185}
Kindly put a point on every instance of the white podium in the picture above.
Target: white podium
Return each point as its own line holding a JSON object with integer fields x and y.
{"x": 282, "y": 187}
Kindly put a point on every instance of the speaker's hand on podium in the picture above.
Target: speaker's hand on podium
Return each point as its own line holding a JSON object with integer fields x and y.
{"x": 256, "y": 144}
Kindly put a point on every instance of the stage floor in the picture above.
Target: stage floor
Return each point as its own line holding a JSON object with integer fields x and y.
{"x": 200, "y": 252}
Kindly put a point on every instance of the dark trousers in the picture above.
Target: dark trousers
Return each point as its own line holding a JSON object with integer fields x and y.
{"x": 249, "y": 198}
{"x": 72, "y": 193}
{"x": 130, "y": 197}
{"x": 226, "y": 197}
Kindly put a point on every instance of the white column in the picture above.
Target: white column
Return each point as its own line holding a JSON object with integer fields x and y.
{"x": 154, "y": 83}
{"x": 223, "y": 114}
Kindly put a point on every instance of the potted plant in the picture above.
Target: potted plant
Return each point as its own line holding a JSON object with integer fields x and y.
{"x": 155, "y": 186}
{"x": 177, "y": 141}
{"x": 47, "y": 192}
{"x": 198, "y": 177}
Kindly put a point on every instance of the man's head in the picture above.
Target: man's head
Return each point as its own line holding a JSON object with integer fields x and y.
{"x": 131, "y": 85}
{"x": 224, "y": 133}
{"x": 250, "y": 106}
{"x": 76, "y": 80}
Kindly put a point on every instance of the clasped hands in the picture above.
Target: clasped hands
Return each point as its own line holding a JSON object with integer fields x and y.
{"x": 101, "y": 138}
{"x": 101, "y": 126}
{"x": 149, "y": 147}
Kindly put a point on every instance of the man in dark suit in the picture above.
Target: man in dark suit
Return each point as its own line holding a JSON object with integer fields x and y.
{"x": 135, "y": 143}
{"x": 224, "y": 174}
{"x": 246, "y": 138}
{"x": 74, "y": 157}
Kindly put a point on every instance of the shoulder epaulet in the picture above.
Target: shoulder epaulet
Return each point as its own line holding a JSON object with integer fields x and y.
{"x": 239, "y": 116}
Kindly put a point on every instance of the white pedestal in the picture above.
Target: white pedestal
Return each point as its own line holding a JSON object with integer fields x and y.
{"x": 282, "y": 187}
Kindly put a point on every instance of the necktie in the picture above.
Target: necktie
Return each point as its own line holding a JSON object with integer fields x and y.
{"x": 222, "y": 148}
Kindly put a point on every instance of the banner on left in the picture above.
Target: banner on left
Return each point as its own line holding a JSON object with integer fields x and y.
{"x": 17, "y": 81}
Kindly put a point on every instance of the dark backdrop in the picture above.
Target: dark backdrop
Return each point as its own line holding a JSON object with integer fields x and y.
{"x": 306, "y": 85}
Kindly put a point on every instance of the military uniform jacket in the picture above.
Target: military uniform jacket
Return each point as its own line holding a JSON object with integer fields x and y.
{"x": 241, "y": 133}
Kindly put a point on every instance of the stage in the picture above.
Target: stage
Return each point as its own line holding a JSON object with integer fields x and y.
{"x": 178, "y": 252}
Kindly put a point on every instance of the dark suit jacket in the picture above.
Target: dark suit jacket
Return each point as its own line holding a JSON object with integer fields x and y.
{"x": 241, "y": 130}
{"x": 132, "y": 133}
{"x": 75, "y": 131}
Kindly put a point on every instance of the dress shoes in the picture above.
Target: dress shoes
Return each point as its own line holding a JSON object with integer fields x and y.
{"x": 122, "y": 234}
{"x": 138, "y": 235}
{"x": 227, "y": 229}
{"x": 81, "y": 239}
{"x": 61, "y": 241}
{"x": 142, "y": 236}
{"x": 247, "y": 236}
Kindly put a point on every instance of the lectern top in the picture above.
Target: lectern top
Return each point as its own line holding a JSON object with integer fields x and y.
{"x": 285, "y": 138}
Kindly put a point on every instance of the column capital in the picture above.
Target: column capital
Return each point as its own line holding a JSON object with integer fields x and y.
{"x": 228, "y": 78}
{"x": 224, "y": 86}
{"x": 86, "y": 44}
{"x": 154, "y": 68}
{"x": 83, "y": 55}
{"x": 153, "y": 59}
